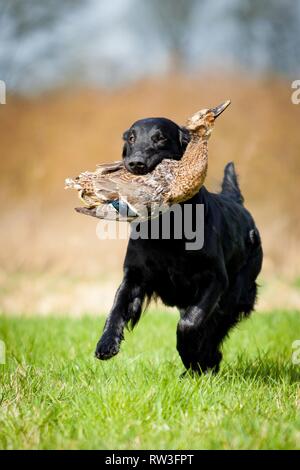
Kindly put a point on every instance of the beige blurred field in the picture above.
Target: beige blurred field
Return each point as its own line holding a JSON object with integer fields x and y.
{"x": 51, "y": 260}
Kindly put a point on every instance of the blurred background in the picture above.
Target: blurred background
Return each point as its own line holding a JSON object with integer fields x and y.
{"x": 79, "y": 72}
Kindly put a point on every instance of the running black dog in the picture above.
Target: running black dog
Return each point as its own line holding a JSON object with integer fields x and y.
{"x": 213, "y": 287}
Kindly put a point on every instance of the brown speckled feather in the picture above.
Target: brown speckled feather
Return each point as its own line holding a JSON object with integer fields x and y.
{"x": 170, "y": 182}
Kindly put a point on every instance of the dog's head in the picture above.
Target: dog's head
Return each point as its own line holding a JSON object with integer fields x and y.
{"x": 149, "y": 141}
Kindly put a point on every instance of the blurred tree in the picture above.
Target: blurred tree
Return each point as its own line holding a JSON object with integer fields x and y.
{"x": 46, "y": 44}
{"x": 21, "y": 21}
{"x": 269, "y": 34}
{"x": 29, "y": 15}
{"x": 170, "y": 20}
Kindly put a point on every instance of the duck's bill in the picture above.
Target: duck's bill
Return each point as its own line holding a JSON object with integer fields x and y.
{"x": 219, "y": 109}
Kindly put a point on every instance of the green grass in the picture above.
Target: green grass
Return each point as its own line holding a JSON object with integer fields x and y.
{"x": 54, "y": 394}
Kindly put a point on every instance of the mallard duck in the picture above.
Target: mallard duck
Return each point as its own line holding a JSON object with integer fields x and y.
{"x": 112, "y": 192}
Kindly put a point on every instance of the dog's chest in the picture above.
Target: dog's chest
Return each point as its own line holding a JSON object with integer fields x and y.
{"x": 176, "y": 278}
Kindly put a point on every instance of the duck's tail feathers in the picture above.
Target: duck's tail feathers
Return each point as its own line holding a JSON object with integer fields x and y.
{"x": 230, "y": 185}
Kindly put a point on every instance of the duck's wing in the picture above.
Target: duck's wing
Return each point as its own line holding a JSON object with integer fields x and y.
{"x": 144, "y": 194}
{"x": 134, "y": 188}
{"x": 140, "y": 193}
{"x": 124, "y": 192}
{"x": 92, "y": 193}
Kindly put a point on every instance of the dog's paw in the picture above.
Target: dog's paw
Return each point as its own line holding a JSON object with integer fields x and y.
{"x": 107, "y": 348}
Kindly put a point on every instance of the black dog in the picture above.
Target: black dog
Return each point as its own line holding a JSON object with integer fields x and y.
{"x": 148, "y": 141}
{"x": 213, "y": 287}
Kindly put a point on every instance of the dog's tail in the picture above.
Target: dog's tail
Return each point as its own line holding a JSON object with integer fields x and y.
{"x": 230, "y": 185}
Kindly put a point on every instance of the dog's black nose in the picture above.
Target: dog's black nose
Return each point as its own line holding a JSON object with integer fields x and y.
{"x": 137, "y": 166}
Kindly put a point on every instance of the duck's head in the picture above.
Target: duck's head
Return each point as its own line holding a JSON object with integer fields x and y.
{"x": 201, "y": 123}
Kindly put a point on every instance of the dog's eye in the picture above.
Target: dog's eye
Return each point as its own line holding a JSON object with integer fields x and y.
{"x": 131, "y": 138}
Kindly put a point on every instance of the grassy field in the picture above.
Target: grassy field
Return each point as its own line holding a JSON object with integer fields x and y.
{"x": 54, "y": 394}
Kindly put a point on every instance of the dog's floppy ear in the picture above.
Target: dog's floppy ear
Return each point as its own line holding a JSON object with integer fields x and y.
{"x": 125, "y": 137}
{"x": 184, "y": 137}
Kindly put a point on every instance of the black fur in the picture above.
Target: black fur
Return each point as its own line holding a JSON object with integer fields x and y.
{"x": 150, "y": 140}
{"x": 213, "y": 287}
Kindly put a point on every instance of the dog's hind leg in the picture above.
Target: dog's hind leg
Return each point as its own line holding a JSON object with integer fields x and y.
{"x": 201, "y": 352}
{"x": 199, "y": 347}
{"x": 193, "y": 323}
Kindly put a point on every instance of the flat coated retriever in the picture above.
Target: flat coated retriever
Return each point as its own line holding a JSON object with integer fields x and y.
{"x": 213, "y": 287}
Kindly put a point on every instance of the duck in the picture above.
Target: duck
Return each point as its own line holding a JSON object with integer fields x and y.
{"x": 113, "y": 193}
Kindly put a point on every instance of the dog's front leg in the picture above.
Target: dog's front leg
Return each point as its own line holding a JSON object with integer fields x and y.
{"x": 127, "y": 306}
